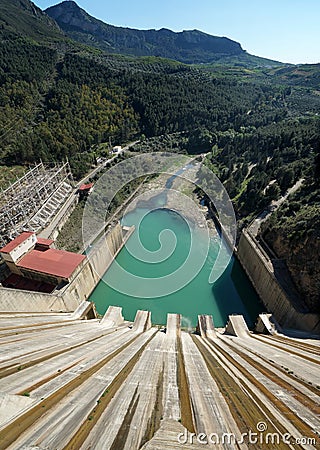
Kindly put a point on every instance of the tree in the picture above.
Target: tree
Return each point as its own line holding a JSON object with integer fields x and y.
{"x": 200, "y": 140}
{"x": 273, "y": 192}
{"x": 285, "y": 178}
{"x": 317, "y": 168}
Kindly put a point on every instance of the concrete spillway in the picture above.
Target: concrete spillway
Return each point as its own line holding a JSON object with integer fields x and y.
{"x": 265, "y": 325}
{"x": 171, "y": 398}
{"x": 113, "y": 317}
{"x": 142, "y": 321}
{"x": 237, "y": 326}
{"x": 67, "y": 382}
{"x": 205, "y": 326}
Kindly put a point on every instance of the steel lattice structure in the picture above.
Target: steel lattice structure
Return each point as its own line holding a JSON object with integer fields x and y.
{"x": 31, "y": 202}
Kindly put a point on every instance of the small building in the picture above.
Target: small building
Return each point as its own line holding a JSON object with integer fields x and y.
{"x": 51, "y": 265}
{"x": 21, "y": 245}
{"x": 85, "y": 189}
{"x": 44, "y": 244}
{"x": 16, "y": 249}
{"x": 116, "y": 150}
{"x": 33, "y": 258}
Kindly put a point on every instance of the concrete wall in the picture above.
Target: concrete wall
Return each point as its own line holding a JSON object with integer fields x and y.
{"x": 13, "y": 300}
{"x": 259, "y": 269}
{"x": 99, "y": 260}
{"x": 78, "y": 290}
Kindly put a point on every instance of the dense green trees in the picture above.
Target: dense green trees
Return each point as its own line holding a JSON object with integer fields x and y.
{"x": 55, "y": 105}
{"x": 171, "y": 98}
{"x": 253, "y": 158}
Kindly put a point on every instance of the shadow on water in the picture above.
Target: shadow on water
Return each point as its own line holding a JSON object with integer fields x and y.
{"x": 234, "y": 294}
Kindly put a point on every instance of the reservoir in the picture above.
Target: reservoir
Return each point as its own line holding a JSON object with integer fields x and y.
{"x": 232, "y": 293}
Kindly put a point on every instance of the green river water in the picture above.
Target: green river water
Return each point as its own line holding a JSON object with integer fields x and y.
{"x": 232, "y": 293}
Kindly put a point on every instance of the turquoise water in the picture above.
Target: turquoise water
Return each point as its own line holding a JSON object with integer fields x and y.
{"x": 232, "y": 293}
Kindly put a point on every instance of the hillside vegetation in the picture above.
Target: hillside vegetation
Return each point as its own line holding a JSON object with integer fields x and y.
{"x": 23, "y": 18}
{"x": 56, "y": 105}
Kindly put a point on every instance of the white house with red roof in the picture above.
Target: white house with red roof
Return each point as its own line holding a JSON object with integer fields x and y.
{"x": 85, "y": 189}
{"x": 34, "y": 258}
{"x": 21, "y": 245}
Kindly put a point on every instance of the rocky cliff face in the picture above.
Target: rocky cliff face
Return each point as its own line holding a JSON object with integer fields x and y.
{"x": 68, "y": 14}
{"x": 24, "y": 18}
{"x": 190, "y": 46}
{"x": 301, "y": 252}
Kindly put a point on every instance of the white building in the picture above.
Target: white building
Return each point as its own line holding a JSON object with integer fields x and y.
{"x": 19, "y": 247}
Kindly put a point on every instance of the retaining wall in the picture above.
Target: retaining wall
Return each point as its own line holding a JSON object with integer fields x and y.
{"x": 259, "y": 269}
{"x": 13, "y": 300}
{"x": 99, "y": 260}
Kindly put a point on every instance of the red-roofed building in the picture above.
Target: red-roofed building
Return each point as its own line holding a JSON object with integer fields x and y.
{"x": 43, "y": 244}
{"x": 86, "y": 187}
{"x": 52, "y": 263}
{"x": 34, "y": 258}
{"x": 17, "y": 242}
{"x": 21, "y": 245}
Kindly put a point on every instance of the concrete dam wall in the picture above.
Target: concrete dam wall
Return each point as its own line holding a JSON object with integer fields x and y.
{"x": 13, "y": 300}
{"x": 79, "y": 289}
{"x": 99, "y": 260}
{"x": 260, "y": 271}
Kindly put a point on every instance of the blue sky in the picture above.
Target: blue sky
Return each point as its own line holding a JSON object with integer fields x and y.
{"x": 284, "y": 30}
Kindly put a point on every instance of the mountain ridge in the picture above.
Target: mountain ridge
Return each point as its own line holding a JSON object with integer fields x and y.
{"x": 24, "y": 18}
{"x": 188, "y": 46}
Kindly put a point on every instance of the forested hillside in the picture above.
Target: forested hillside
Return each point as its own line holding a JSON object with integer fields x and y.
{"x": 24, "y": 18}
{"x": 258, "y": 165}
{"x": 56, "y": 104}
